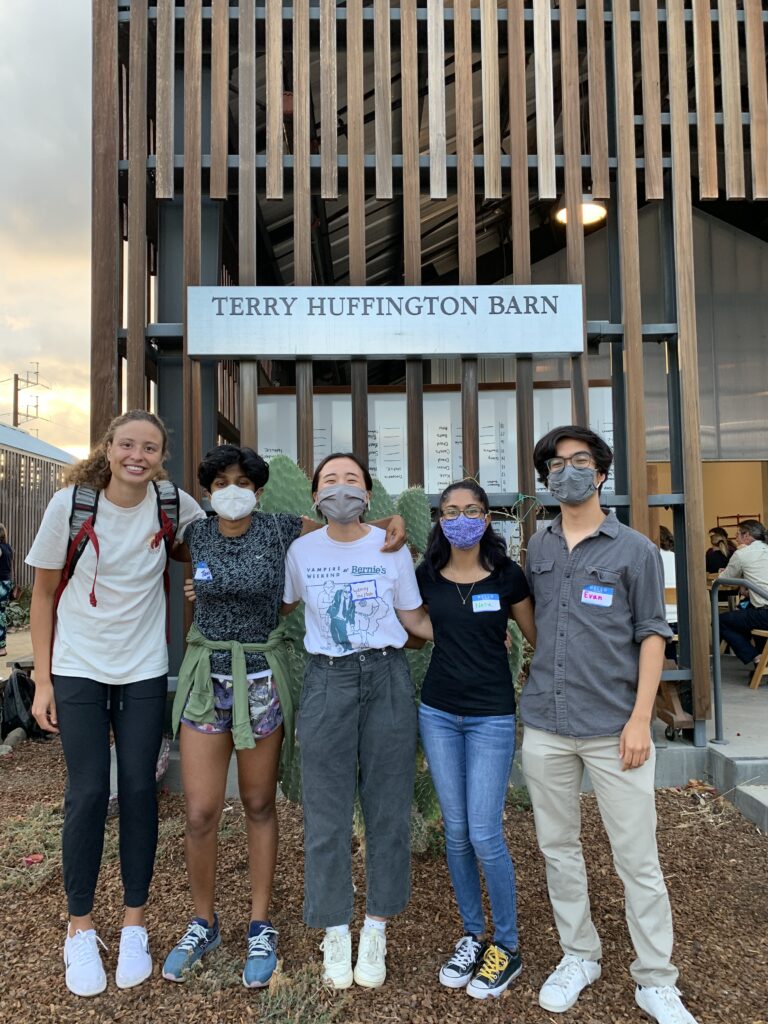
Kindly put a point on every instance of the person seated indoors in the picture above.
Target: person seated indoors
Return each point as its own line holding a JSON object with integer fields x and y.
{"x": 749, "y": 562}
{"x": 720, "y": 549}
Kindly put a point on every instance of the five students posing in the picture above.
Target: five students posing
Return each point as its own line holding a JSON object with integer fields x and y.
{"x": 591, "y": 600}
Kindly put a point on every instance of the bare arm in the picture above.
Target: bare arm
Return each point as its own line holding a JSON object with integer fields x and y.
{"x": 522, "y": 613}
{"x": 286, "y": 609}
{"x": 635, "y": 740}
{"x": 41, "y": 623}
{"x": 417, "y": 622}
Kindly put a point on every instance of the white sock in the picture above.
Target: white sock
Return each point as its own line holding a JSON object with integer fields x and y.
{"x": 341, "y": 929}
{"x": 372, "y": 923}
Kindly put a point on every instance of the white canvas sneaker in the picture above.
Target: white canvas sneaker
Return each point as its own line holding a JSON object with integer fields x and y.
{"x": 84, "y": 970}
{"x": 564, "y": 985}
{"x": 371, "y": 968}
{"x": 663, "y": 1005}
{"x": 134, "y": 964}
{"x": 337, "y": 958}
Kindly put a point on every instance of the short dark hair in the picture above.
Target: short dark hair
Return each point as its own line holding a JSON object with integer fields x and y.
{"x": 225, "y": 455}
{"x": 342, "y": 455}
{"x": 546, "y": 448}
{"x": 493, "y": 551}
{"x": 753, "y": 528}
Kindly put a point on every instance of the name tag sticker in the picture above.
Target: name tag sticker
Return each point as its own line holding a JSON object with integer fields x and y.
{"x": 597, "y": 595}
{"x": 203, "y": 573}
{"x": 485, "y": 603}
{"x": 363, "y": 590}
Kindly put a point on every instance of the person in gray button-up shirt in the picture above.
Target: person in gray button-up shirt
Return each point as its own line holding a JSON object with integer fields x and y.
{"x": 598, "y": 591}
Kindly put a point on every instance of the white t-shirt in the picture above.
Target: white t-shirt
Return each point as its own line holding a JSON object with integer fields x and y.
{"x": 121, "y": 639}
{"x": 350, "y": 591}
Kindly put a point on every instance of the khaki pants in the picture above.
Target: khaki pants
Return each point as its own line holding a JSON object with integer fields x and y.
{"x": 553, "y": 767}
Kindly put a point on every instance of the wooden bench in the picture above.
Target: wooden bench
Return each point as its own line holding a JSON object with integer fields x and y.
{"x": 761, "y": 668}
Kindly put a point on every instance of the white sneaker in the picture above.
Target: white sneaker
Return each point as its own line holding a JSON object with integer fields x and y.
{"x": 337, "y": 958}
{"x": 563, "y": 987}
{"x": 134, "y": 964}
{"x": 85, "y": 972}
{"x": 371, "y": 968}
{"x": 663, "y": 1005}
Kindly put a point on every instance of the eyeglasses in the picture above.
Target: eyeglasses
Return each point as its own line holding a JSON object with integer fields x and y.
{"x": 471, "y": 512}
{"x": 579, "y": 460}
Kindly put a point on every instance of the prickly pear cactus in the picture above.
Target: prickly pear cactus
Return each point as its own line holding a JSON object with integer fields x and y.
{"x": 288, "y": 489}
{"x": 381, "y": 504}
{"x": 413, "y": 506}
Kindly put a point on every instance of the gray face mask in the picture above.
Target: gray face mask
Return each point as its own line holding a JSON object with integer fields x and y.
{"x": 572, "y": 486}
{"x": 342, "y": 503}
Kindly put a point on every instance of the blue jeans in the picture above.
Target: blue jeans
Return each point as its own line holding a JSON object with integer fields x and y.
{"x": 470, "y": 758}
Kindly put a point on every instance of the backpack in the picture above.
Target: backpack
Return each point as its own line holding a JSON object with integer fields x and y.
{"x": 85, "y": 504}
{"x": 18, "y": 695}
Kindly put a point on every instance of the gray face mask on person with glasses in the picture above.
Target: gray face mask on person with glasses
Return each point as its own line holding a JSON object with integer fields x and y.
{"x": 572, "y": 484}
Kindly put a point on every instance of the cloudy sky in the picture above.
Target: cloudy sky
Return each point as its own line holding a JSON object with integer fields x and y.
{"x": 45, "y": 58}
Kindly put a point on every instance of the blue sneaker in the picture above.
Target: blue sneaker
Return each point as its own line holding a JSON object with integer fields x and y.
{"x": 198, "y": 940}
{"x": 262, "y": 954}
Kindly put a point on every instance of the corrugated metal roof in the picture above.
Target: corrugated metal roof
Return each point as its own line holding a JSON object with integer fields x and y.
{"x": 10, "y": 437}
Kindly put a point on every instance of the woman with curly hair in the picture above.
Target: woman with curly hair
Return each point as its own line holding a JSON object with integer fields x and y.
{"x": 101, "y": 662}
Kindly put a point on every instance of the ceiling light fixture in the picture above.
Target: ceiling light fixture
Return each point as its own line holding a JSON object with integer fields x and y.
{"x": 592, "y": 211}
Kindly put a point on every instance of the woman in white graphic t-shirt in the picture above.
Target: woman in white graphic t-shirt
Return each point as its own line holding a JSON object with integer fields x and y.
{"x": 357, "y": 719}
{"x": 101, "y": 662}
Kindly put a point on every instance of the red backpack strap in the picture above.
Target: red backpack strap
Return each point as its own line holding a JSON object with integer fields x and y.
{"x": 85, "y": 503}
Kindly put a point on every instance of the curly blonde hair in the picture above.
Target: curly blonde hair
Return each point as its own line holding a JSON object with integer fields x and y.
{"x": 94, "y": 471}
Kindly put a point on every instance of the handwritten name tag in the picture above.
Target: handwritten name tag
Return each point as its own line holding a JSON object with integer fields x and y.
{"x": 597, "y": 595}
{"x": 203, "y": 573}
{"x": 485, "y": 603}
{"x": 363, "y": 590}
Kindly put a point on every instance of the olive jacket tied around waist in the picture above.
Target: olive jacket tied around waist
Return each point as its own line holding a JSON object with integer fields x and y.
{"x": 195, "y": 682}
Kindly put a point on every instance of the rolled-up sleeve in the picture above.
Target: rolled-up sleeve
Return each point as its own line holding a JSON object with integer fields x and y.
{"x": 646, "y": 598}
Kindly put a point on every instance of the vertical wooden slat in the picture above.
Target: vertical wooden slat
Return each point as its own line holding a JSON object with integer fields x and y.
{"x": 489, "y": 47}
{"x": 651, "y": 78}
{"x": 356, "y": 142}
{"x": 438, "y": 182}
{"x": 521, "y": 244}
{"x": 758, "y": 97}
{"x": 706, "y": 139}
{"x": 305, "y": 432}
{"x": 382, "y": 84}
{"x": 598, "y": 107}
{"x": 274, "y": 99}
{"x": 249, "y": 389}
{"x": 470, "y": 432}
{"x": 164, "y": 98}
{"x": 689, "y": 378}
{"x": 219, "y": 97}
{"x": 246, "y": 83}
{"x": 137, "y": 204}
{"x": 574, "y": 228}
{"x": 465, "y": 146}
{"x": 414, "y": 369}
{"x": 105, "y": 228}
{"x": 629, "y": 262}
{"x": 329, "y": 144}
{"x": 193, "y": 58}
{"x": 730, "y": 69}
{"x": 302, "y": 205}
{"x": 545, "y": 106}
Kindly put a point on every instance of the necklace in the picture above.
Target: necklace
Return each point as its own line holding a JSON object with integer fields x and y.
{"x": 464, "y": 598}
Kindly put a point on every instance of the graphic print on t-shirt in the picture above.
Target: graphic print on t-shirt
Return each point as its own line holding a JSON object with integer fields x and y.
{"x": 350, "y": 613}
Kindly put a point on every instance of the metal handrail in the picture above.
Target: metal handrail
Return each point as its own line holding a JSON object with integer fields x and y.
{"x": 726, "y": 581}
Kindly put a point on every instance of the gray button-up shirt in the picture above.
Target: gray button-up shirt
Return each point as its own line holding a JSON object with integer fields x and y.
{"x": 594, "y": 606}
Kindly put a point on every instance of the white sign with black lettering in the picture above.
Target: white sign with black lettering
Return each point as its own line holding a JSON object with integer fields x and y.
{"x": 384, "y": 323}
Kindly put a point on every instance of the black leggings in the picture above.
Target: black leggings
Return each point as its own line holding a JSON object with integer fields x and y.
{"x": 86, "y": 709}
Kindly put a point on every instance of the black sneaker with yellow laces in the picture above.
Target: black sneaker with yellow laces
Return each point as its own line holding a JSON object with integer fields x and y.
{"x": 498, "y": 970}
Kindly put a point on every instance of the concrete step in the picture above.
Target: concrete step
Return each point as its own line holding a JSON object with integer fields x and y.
{"x": 752, "y": 801}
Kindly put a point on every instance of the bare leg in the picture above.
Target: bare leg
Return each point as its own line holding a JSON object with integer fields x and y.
{"x": 204, "y": 763}
{"x": 257, "y": 778}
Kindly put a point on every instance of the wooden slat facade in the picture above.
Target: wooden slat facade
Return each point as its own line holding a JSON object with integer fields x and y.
{"x": 387, "y": 143}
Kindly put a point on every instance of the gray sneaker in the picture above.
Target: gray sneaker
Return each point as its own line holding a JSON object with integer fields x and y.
{"x": 197, "y": 940}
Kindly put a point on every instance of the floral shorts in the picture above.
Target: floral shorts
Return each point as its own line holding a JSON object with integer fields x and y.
{"x": 263, "y": 706}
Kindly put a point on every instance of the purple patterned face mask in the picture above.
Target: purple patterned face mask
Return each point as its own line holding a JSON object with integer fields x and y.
{"x": 462, "y": 532}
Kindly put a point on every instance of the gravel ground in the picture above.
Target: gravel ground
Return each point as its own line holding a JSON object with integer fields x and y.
{"x": 716, "y": 864}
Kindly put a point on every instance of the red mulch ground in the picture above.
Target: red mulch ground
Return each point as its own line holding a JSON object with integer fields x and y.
{"x": 716, "y": 864}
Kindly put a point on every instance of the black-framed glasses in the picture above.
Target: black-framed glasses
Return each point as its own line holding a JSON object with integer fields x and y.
{"x": 471, "y": 512}
{"x": 579, "y": 460}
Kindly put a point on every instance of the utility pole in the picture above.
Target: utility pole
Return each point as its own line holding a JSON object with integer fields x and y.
{"x": 21, "y": 382}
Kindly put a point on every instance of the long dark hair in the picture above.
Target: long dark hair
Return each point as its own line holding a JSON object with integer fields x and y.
{"x": 493, "y": 551}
